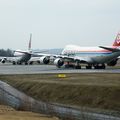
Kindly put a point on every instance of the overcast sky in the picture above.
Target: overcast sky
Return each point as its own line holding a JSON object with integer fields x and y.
{"x": 56, "y": 23}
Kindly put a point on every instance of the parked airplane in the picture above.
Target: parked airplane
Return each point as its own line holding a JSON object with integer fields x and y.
{"x": 96, "y": 57}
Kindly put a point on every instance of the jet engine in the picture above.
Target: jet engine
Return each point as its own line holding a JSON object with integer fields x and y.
{"x": 44, "y": 60}
{"x": 58, "y": 62}
{"x": 112, "y": 62}
{"x": 3, "y": 60}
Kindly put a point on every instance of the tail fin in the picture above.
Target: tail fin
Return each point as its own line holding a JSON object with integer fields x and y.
{"x": 29, "y": 46}
{"x": 117, "y": 40}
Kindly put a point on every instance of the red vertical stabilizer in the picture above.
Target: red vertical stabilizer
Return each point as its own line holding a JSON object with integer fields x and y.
{"x": 117, "y": 40}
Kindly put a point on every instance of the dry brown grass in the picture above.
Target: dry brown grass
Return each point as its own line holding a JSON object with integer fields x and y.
{"x": 90, "y": 90}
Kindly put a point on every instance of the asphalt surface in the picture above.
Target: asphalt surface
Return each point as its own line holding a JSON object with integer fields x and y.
{"x": 39, "y": 69}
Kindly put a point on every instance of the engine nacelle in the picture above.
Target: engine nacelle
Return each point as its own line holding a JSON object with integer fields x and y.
{"x": 58, "y": 62}
{"x": 3, "y": 60}
{"x": 113, "y": 62}
{"x": 44, "y": 60}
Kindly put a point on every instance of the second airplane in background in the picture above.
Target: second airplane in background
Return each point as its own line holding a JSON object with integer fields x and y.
{"x": 20, "y": 56}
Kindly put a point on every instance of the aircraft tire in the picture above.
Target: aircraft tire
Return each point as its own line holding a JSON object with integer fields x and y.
{"x": 103, "y": 66}
{"x": 19, "y": 63}
{"x": 31, "y": 63}
{"x": 78, "y": 67}
{"x": 88, "y": 67}
{"x": 99, "y": 67}
{"x": 96, "y": 67}
{"x": 69, "y": 66}
{"x": 38, "y": 62}
{"x": 14, "y": 63}
{"x": 26, "y": 63}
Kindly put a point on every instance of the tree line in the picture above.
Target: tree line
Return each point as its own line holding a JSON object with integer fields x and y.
{"x": 6, "y": 53}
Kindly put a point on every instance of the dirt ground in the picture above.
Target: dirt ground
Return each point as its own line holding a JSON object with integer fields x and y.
{"x": 8, "y": 113}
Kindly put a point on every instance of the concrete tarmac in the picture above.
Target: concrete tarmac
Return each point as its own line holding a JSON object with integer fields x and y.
{"x": 40, "y": 69}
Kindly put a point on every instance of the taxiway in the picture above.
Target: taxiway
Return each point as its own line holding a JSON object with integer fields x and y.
{"x": 40, "y": 69}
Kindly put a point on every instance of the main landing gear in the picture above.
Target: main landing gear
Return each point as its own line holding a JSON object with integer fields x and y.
{"x": 75, "y": 65}
{"x": 89, "y": 66}
{"x": 99, "y": 66}
{"x": 19, "y": 63}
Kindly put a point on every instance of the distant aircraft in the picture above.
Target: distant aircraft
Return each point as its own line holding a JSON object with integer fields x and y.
{"x": 19, "y": 55}
{"x": 25, "y": 57}
{"x": 96, "y": 57}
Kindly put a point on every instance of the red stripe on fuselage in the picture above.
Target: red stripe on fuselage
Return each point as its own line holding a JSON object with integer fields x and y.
{"x": 101, "y": 50}
{"x": 87, "y": 51}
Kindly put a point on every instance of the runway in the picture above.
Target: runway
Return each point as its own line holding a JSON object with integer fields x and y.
{"x": 40, "y": 69}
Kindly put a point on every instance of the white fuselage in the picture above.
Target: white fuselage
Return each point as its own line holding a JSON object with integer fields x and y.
{"x": 90, "y": 54}
{"x": 21, "y": 57}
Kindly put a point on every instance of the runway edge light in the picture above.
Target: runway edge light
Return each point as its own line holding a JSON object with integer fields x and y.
{"x": 62, "y": 75}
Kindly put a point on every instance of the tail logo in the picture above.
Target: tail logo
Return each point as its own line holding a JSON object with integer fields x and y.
{"x": 117, "y": 40}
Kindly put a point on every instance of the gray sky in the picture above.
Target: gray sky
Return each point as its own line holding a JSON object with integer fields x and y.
{"x": 56, "y": 23}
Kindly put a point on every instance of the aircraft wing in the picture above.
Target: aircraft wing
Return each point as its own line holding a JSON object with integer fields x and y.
{"x": 8, "y": 59}
{"x": 31, "y": 53}
{"x": 34, "y": 59}
{"x": 11, "y": 59}
{"x": 67, "y": 58}
{"x": 48, "y": 55}
{"x": 25, "y": 52}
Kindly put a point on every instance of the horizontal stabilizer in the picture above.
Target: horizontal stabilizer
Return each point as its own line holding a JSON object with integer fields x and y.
{"x": 25, "y": 52}
{"x": 41, "y": 51}
{"x": 31, "y": 53}
{"x": 110, "y": 49}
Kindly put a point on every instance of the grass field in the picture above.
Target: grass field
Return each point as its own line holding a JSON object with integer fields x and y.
{"x": 8, "y": 113}
{"x": 88, "y": 90}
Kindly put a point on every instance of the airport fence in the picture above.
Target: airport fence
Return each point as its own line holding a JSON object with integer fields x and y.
{"x": 20, "y": 101}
